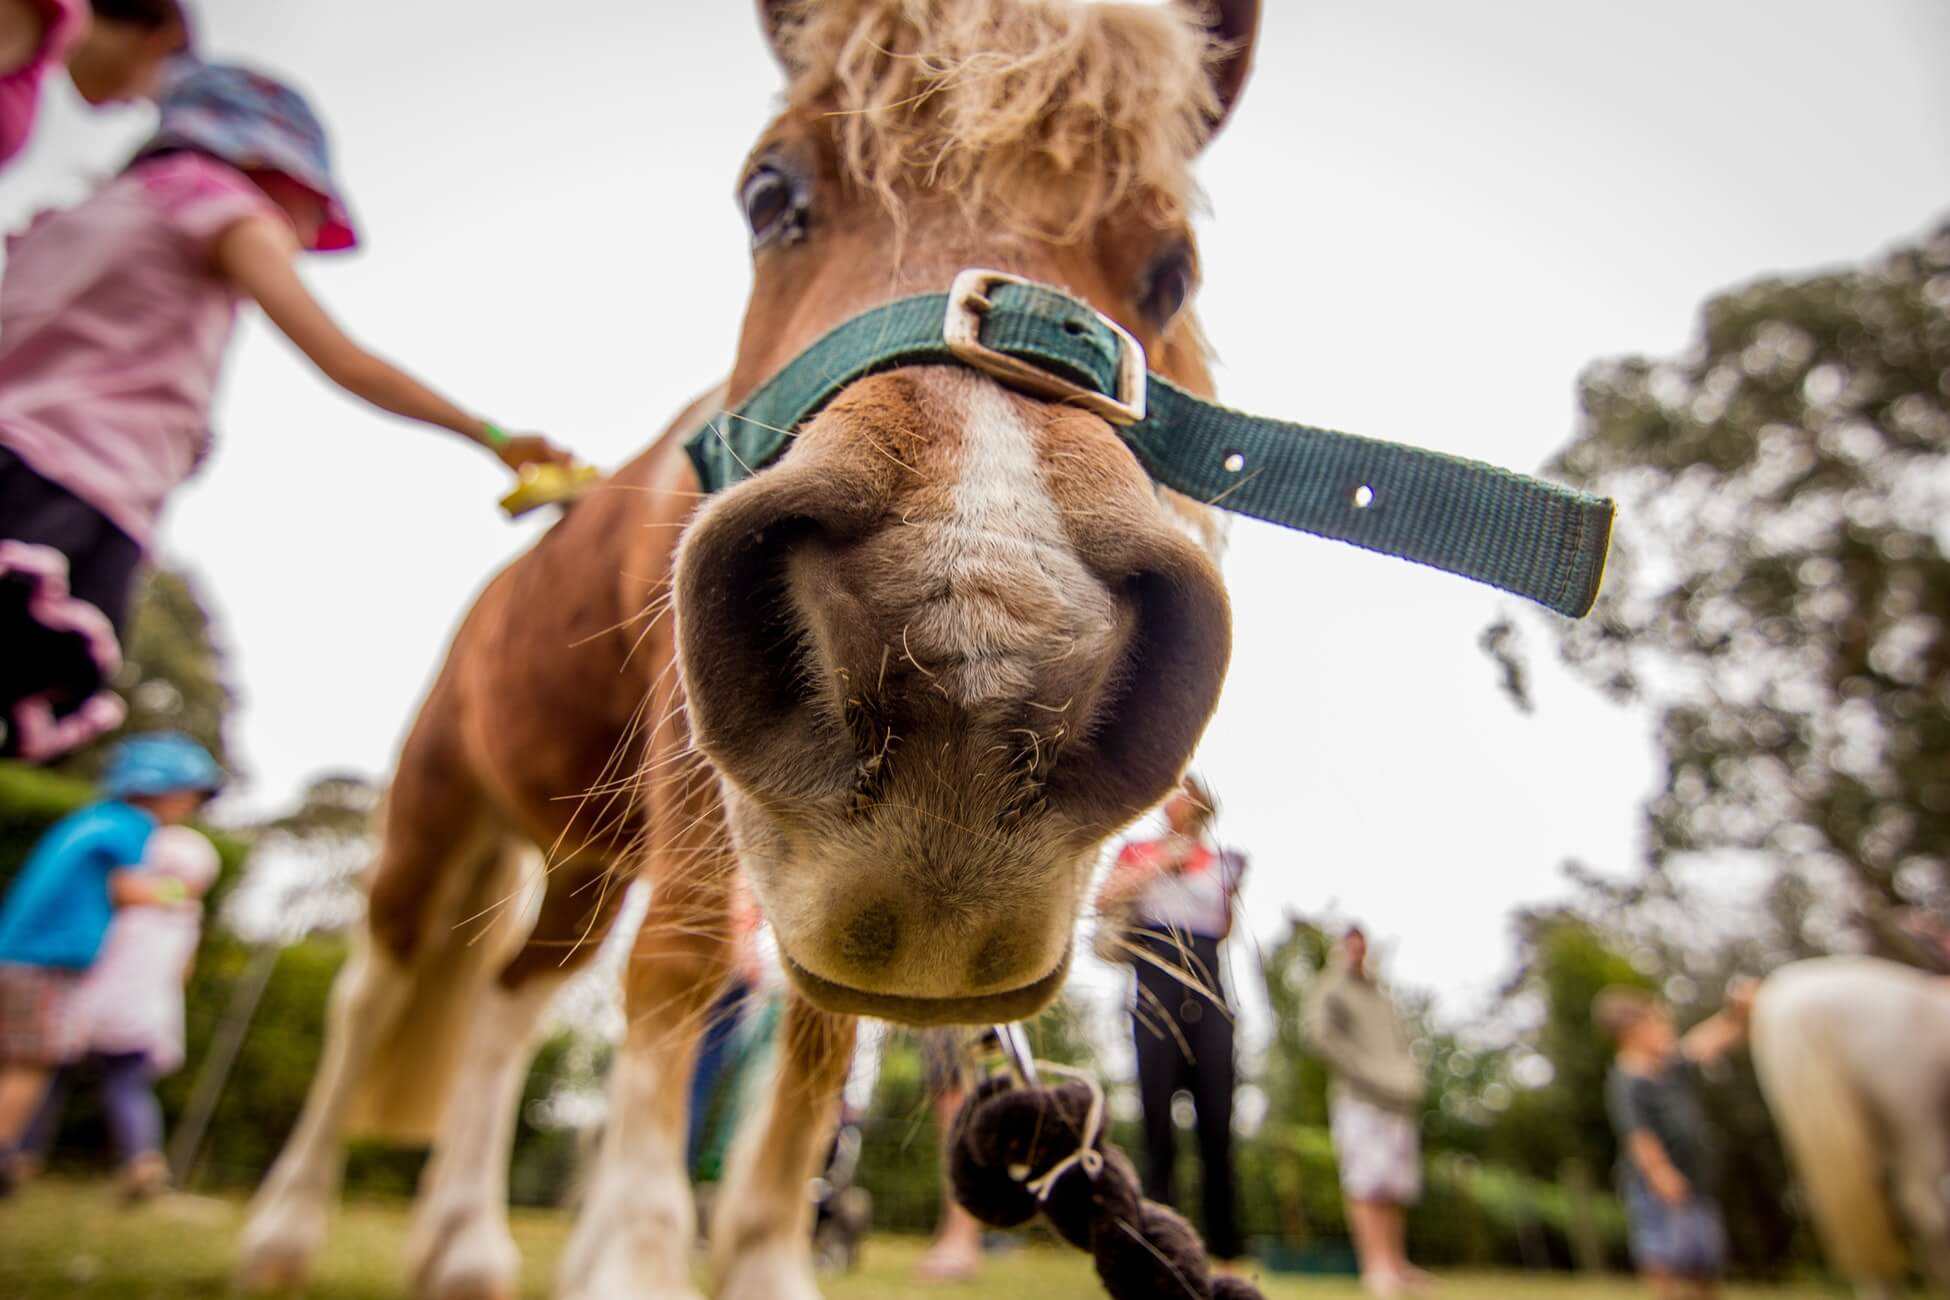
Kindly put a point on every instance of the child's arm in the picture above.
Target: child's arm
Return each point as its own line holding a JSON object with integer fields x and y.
{"x": 1722, "y": 1031}
{"x": 1661, "y": 1175}
{"x": 1129, "y": 877}
{"x": 258, "y": 255}
{"x": 134, "y": 888}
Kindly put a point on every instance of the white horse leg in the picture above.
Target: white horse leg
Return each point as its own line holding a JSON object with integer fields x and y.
{"x": 761, "y": 1241}
{"x": 459, "y": 1247}
{"x": 1922, "y": 1166}
{"x": 634, "y": 1235}
{"x": 287, "y": 1217}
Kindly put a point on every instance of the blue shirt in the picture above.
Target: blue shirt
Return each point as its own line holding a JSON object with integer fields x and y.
{"x": 58, "y": 910}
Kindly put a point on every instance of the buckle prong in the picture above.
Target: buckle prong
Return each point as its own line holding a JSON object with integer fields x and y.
{"x": 968, "y": 302}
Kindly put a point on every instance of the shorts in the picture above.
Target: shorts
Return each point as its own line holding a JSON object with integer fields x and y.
{"x": 38, "y": 1024}
{"x": 66, "y": 574}
{"x": 1380, "y": 1151}
{"x": 1687, "y": 1240}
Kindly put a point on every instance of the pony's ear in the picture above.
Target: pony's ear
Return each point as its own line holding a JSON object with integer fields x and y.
{"x": 772, "y": 18}
{"x": 1234, "y": 27}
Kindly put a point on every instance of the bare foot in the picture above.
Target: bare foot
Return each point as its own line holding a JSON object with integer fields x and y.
{"x": 950, "y": 1261}
{"x": 1383, "y": 1286}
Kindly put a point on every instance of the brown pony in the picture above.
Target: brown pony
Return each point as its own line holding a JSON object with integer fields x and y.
{"x": 907, "y": 680}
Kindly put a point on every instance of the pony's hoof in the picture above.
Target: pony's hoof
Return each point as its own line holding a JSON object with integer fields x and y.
{"x": 775, "y": 1274}
{"x": 272, "y": 1270}
{"x": 477, "y": 1287}
{"x": 464, "y": 1255}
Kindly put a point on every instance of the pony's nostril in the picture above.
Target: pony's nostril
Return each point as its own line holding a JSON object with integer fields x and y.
{"x": 871, "y": 938}
{"x": 999, "y": 957}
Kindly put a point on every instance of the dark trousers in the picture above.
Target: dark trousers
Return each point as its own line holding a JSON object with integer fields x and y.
{"x": 135, "y": 1122}
{"x": 40, "y": 659}
{"x": 1184, "y": 1044}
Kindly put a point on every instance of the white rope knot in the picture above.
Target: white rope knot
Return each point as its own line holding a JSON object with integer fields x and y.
{"x": 1086, "y": 1156}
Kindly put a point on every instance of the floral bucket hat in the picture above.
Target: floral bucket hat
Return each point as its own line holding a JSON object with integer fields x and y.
{"x": 255, "y": 122}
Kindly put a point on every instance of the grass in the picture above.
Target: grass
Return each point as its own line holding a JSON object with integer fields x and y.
{"x": 67, "y": 1239}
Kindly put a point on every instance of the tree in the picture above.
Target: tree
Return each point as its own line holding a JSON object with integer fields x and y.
{"x": 1779, "y": 587}
{"x": 306, "y": 864}
{"x": 174, "y": 677}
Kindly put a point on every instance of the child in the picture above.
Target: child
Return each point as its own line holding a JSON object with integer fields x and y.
{"x": 58, "y": 911}
{"x": 131, "y": 1005}
{"x": 113, "y": 54}
{"x": 1668, "y": 1157}
{"x": 114, "y": 320}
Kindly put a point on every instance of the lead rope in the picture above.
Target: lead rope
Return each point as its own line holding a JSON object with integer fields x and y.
{"x": 1086, "y": 1156}
{"x": 1015, "y": 1144}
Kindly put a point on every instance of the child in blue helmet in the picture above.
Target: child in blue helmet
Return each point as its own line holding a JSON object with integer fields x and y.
{"x": 114, "y": 321}
{"x": 57, "y": 913}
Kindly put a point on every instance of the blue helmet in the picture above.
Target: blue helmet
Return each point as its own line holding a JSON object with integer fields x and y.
{"x": 162, "y": 762}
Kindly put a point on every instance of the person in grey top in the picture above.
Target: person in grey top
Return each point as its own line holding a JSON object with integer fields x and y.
{"x": 1375, "y": 1110}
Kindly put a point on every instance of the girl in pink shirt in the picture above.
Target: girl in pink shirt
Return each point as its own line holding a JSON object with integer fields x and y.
{"x": 114, "y": 50}
{"x": 114, "y": 319}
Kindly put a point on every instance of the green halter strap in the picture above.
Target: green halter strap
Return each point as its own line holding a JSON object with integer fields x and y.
{"x": 1538, "y": 540}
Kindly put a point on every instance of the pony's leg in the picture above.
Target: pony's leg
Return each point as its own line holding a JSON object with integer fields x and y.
{"x": 638, "y": 1223}
{"x": 1922, "y": 1173}
{"x": 287, "y": 1217}
{"x": 761, "y": 1242}
{"x": 460, "y": 1247}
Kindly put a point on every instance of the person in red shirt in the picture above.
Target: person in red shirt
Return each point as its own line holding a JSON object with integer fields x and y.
{"x": 1172, "y": 899}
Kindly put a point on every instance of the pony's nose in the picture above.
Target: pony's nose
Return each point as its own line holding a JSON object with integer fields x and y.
{"x": 751, "y": 688}
{"x": 835, "y": 620}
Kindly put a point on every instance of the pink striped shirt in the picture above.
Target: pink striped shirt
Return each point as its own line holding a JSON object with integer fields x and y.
{"x": 113, "y": 328}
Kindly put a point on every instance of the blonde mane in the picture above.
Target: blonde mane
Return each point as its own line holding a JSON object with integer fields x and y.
{"x": 1045, "y": 114}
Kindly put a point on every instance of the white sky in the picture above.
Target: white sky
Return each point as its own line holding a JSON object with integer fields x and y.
{"x": 1427, "y": 218}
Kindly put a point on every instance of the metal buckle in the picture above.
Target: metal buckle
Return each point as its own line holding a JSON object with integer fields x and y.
{"x": 968, "y": 302}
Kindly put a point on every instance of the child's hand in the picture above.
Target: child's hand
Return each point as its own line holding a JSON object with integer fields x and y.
{"x": 531, "y": 449}
{"x": 1669, "y": 1185}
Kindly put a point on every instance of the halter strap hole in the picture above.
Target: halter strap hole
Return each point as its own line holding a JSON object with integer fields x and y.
{"x": 1074, "y": 326}
{"x": 1363, "y": 497}
{"x": 1234, "y": 461}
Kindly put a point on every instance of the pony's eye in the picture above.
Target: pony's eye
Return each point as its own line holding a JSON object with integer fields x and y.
{"x": 1167, "y": 285}
{"x": 773, "y": 207}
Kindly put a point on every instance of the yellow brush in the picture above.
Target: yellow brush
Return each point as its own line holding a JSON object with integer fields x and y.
{"x": 547, "y": 485}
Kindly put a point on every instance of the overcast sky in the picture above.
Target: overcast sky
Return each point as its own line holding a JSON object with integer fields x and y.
{"x": 1427, "y": 217}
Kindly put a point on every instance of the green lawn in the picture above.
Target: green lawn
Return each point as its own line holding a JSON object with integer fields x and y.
{"x": 64, "y": 1239}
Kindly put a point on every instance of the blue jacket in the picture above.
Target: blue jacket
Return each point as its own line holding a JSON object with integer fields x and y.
{"x": 58, "y": 910}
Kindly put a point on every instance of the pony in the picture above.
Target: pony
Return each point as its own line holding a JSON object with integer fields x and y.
{"x": 906, "y": 682}
{"x": 1853, "y": 1055}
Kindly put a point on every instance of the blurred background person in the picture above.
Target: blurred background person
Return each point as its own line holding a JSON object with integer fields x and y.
{"x": 1374, "y": 1109}
{"x": 115, "y": 317}
{"x": 130, "y": 1005}
{"x": 1166, "y": 908}
{"x": 956, "y": 1252}
{"x": 56, "y": 916}
{"x": 1669, "y": 1155}
{"x": 113, "y": 51}
{"x": 722, "y": 1022}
